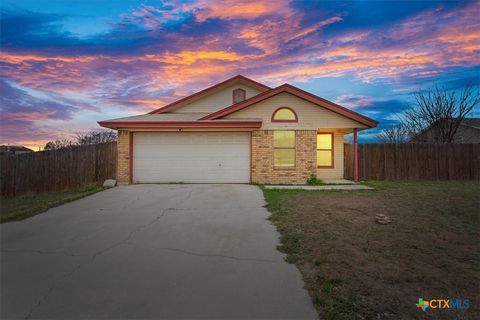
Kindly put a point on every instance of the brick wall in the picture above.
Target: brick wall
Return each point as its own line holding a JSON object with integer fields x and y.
{"x": 123, "y": 162}
{"x": 263, "y": 170}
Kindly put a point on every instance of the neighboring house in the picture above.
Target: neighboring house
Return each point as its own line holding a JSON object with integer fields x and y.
{"x": 237, "y": 131}
{"x": 14, "y": 149}
{"x": 467, "y": 132}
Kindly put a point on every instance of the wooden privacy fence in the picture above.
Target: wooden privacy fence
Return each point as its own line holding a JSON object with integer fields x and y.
{"x": 414, "y": 161}
{"x": 75, "y": 167}
{"x": 57, "y": 170}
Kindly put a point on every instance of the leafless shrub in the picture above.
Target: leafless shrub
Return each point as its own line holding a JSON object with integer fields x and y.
{"x": 58, "y": 144}
{"x": 96, "y": 136}
{"x": 91, "y": 137}
{"x": 440, "y": 111}
{"x": 396, "y": 134}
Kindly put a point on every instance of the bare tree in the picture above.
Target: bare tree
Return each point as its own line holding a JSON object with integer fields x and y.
{"x": 58, "y": 144}
{"x": 94, "y": 137}
{"x": 396, "y": 134}
{"x": 91, "y": 137}
{"x": 440, "y": 111}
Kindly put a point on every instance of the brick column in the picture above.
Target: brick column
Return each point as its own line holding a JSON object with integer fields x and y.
{"x": 123, "y": 157}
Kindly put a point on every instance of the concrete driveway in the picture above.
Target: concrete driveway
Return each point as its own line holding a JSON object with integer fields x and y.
{"x": 151, "y": 251}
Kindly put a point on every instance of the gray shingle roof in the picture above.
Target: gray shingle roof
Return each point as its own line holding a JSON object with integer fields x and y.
{"x": 472, "y": 122}
{"x": 15, "y": 148}
{"x": 169, "y": 117}
{"x": 161, "y": 117}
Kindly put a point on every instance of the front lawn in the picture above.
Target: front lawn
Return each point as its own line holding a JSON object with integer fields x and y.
{"x": 355, "y": 268}
{"x": 21, "y": 207}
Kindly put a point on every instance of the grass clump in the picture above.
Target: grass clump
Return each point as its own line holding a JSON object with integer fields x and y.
{"x": 314, "y": 181}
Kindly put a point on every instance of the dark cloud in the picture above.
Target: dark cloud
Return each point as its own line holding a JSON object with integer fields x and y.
{"x": 383, "y": 108}
{"x": 365, "y": 15}
{"x": 386, "y": 112}
{"x": 16, "y": 103}
{"x": 25, "y": 30}
{"x": 462, "y": 81}
{"x": 23, "y": 115}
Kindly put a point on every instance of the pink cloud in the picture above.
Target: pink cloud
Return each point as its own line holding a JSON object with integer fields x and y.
{"x": 268, "y": 41}
{"x": 353, "y": 101}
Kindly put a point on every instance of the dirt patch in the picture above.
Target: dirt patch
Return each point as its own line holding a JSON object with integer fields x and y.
{"x": 355, "y": 268}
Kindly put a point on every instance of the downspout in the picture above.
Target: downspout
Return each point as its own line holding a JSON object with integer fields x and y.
{"x": 355, "y": 154}
{"x": 130, "y": 157}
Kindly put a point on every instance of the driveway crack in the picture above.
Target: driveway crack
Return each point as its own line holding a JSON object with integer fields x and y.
{"x": 80, "y": 265}
{"x": 50, "y": 290}
{"x": 130, "y": 235}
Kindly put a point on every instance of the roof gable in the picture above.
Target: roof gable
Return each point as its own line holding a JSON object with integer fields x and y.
{"x": 309, "y": 116}
{"x": 239, "y": 79}
{"x": 299, "y": 93}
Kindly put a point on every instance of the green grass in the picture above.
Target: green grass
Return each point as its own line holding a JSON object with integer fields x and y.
{"x": 289, "y": 237}
{"x": 22, "y": 207}
{"x": 355, "y": 268}
{"x": 314, "y": 181}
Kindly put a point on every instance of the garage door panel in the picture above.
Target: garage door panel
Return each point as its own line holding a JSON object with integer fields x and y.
{"x": 190, "y": 138}
{"x": 214, "y": 157}
{"x": 149, "y": 151}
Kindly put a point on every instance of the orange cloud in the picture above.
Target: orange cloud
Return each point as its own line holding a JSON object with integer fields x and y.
{"x": 248, "y": 34}
{"x": 19, "y": 58}
{"x": 233, "y": 9}
{"x": 190, "y": 57}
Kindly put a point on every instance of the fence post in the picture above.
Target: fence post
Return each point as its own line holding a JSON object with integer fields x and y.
{"x": 355, "y": 155}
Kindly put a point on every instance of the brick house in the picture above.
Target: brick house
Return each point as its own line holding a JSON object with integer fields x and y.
{"x": 237, "y": 131}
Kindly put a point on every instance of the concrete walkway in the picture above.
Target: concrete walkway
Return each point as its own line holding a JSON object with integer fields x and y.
{"x": 151, "y": 252}
{"x": 338, "y": 181}
{"x": 322, "y": 187}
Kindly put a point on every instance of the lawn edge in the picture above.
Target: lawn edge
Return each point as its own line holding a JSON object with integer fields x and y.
{"x": 326, "y": 303}
{"x": 38, "y": 210}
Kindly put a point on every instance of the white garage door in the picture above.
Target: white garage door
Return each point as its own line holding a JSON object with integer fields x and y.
{"x": 196, "y": 157}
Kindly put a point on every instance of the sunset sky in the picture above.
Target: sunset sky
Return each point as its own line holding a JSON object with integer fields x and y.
{"x": 67, "y": 64}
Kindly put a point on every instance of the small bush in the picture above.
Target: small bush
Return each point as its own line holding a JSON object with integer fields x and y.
{"x": 314, "y": 181}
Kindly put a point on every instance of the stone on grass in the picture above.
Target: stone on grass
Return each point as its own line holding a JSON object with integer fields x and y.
{"x": 110, "y": 183}
{"x": 383, "y": 219}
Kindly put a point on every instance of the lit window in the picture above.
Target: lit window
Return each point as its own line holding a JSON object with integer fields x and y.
{"x": 238, "y": 95}
{"x": 325, "y": 149}
{"x": 284, "y": 148}
{"x": 284, "y": 115}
